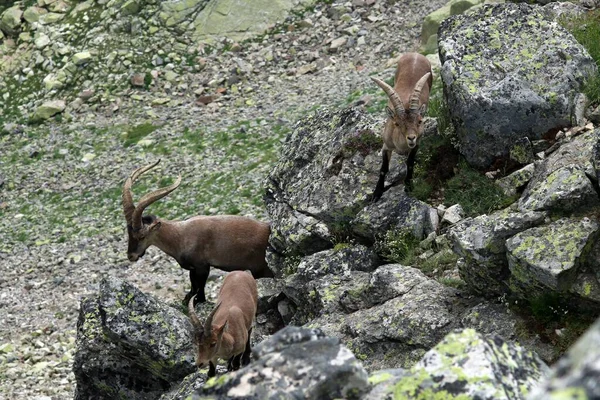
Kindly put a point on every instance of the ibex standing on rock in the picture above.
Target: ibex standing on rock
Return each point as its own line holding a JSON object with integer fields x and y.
{"x": 405, "y": 110}
{"x": 226, "y": 242}
{"x": 226, "y": 332}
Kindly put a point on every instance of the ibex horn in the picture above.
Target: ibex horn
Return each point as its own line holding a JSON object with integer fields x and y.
{"x": 394, "y": 98}
{"x": 415, "y": 98}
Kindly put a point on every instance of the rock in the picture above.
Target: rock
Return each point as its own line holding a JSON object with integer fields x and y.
{"x": 10, "y": 20}
{"x": 594, "y": 116}
{"x": 32, "y": 14}
{"x": 396, "y": 210}
{"x": 50, "y": 18}
{"x": 561, "y": 182}
{"x": 41, "y": 41}
{"x": 130, "y": 7}
{"x": 400, "y": 314}
{"x": 231, "y": 19}
{"x": 489, "y": 76}
{"x": 474, "y": 366}
{"x": 337, "y": 43}
{"x": 138, "y": 80}
{"x": 548, "y": 257}
{"x": 293, "y": 363}
{"x": 432, "y": 21}
{"x": 517, "y": 180}
{"x": 82, "y": 58}
{"x": 481, "y": 242}
{"x": 49, "y": 109}
{"x": 577, "y": 373}
{"x": 341, "y": 148}
{"x": 453, "y": 214}
{"x": 129, "y": 345}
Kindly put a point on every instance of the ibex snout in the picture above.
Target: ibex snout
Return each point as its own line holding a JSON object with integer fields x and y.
{"x": 411, "y": 140}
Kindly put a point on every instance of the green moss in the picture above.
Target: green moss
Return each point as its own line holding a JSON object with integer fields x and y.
{"x": 379, "y": 377}
{"x": 397, "y": 246}
{"x": 138, "y": 132}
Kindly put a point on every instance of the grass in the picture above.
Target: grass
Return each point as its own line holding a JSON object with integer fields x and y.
{"x": 586, "y": 29}
{"x": 476, "y": 193}
{"x": 82, "y": 200}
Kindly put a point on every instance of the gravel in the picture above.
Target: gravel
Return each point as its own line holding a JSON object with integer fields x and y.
{"x": 52, "y": 253}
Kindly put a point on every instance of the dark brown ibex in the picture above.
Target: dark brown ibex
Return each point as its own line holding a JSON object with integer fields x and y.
{"x": 226, "y": 332}
{"x": 226, "y": 242}
{"x": 406, "y": 106}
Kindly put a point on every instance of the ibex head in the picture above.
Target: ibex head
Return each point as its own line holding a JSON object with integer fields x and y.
{"x": 408, "y": 119}
{"x": 141, "y": 230}
{"x": 207, "y": 337}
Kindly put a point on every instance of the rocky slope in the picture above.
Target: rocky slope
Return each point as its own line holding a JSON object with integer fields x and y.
{"x": 217, "y": 121}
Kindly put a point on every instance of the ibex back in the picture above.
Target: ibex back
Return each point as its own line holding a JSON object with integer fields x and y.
{"x": 406, "y": 106}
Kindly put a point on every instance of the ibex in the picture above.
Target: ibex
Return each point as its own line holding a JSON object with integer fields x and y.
{"x": 226, "y": 332}
{"x": 226, "y": 242}
{"x": 406, "y": 106}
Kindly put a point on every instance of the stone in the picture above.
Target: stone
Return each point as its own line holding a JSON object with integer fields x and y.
{"x": 129, "y": 345}
{"x": 561, "y": 182}
{"x": 130, "y": 7}
{"x": 466, "y": 364}
{"x": 548, "y": 256}
{"x": 500, "y": 89}
{"x": 82, "y": 58}
{"x": 577, "y": 373}
{"x": 294, "y": 363}
{"x": 50, "y": 18}
{"x": 453, "y": 214}
{"x": 337, "y": 43}
{"x": 32, "y": 14}
{"x": 49, "y": 109}
{"x": 432, "y": 21}
{"x": 10, "y": 20}
{"x": 517, "y": 180}
{"x": 42, "y": 40}
{"x": 481, "y": 243}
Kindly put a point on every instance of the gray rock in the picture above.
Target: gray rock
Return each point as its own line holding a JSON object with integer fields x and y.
{"x": 396, "y": 210}
{"x": 295, "y": 363}
{"x": 10, "y": 20}
{"x": 549, "y": 256}
{"x": 474, "y": 366}
{"x": 129, "y": 345}
{"x": 49, "y": 109}
{"x": 517, "y": 180}
{"x": 500, "y": 89}
{"x": 577, "y": 374}
{"x": 309, "y": 214}
{"x": 562, "y": 181}
{"x": 481, "y": 242}
{"x": 400, "y": 314}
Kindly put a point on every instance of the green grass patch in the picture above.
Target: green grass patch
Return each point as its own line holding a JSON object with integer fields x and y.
{"x": 136, "y": 133}
{"x": 476, "y": 193}
{"x": 586, "y": 29}
{"x": 398, "y": 246}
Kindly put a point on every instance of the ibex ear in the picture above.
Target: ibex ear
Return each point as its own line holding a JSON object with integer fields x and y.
{"x": 155, "y": 226}
{"x": 390, "y": 113}
{"x": 221, "y": 330}
{"x": 423, "y": 109}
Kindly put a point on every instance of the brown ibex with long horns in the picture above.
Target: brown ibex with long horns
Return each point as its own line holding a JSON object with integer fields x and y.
{"x": 226, "y": 242}
{"x": 406, "y": 106}
{"x": 226, "y": 332}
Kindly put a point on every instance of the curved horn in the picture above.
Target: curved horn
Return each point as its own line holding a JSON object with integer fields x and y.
{"x": 394, "y": 98}
{"x": 148, "y": 199}
{"x": 127, "y": 197}
{"x": 208, "y": 323}
{"x": 198, "y": 328}
{"x": 415, "y": 98}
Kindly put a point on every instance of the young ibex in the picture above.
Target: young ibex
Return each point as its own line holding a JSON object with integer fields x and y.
{"x": 406, "y": 106}
{"x": 227, "y": 242}
{"x": 226, "y": 332}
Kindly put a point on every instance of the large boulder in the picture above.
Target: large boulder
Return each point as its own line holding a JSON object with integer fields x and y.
{"x": 295, "y": 363}
{"x": 577, "y": 374}
{"x": 465, "y": 365}
{"x": 509, "y": 71}
{"x": 129, "y": 345}
{"x": 481, "y": 243}
{"x": 11, "y": 19}
{"x": 549, "y": 258}
{"x": 342, "y": 149}
{"x": 566, "y": 181}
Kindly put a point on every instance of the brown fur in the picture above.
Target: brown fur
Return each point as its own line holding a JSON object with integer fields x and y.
{"x": 402, "y": 131}
{"x": 228, "y": 336}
